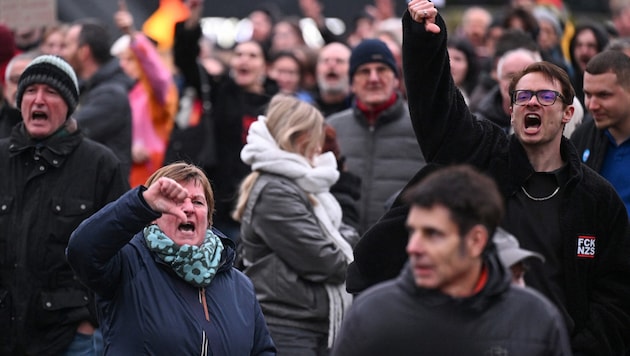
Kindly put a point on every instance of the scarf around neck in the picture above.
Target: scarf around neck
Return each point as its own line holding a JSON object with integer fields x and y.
{"x": 262, "y": 153}
{"x": 197, "y": 265}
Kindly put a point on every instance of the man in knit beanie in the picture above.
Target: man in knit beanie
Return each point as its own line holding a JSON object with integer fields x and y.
{"x": 52, "y": 179}
{"x": 54, "y": 72}
{"x": 370, "y": 51}
{"x": 54, "y": 79}
{"x": 375, "y": 134}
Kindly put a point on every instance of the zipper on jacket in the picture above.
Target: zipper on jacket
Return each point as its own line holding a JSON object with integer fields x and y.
{"x": 204, "y": 302}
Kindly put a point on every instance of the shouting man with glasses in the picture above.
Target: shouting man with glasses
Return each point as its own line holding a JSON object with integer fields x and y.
{"x": 556, "y": 206}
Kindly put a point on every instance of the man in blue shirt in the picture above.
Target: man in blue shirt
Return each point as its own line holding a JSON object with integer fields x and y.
{"x": 603, "y": 143}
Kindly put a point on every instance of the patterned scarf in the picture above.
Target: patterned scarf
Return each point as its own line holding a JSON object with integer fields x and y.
{"x": 197, "y": 265}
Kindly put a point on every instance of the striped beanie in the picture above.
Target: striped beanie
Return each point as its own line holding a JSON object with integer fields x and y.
{"x": 55, "y": 72}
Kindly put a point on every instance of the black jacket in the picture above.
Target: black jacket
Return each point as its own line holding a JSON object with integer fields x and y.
{"x": 598, "y": 288}
{"x": 491, "y": 108}
{"x": 591, "y": 144}
{"x": 46, "y": 190}
{"x": 232, "y": 111}
{"x": 104, "y": 114}
{"x": 398, "y": 318}
{"x": 9, "y": 117}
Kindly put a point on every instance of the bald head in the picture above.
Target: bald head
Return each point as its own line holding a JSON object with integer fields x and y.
{"x": 511, "y": 63}
{"x": 332, "y": 69}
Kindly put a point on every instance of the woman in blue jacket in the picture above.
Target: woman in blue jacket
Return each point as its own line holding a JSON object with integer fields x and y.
{"x": 163, "y": 276}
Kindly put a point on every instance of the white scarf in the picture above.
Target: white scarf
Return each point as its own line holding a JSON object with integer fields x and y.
{"x": 263, "y": 154}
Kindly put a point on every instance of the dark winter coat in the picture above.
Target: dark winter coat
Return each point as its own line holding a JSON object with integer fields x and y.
{"x": 9, "y": 117}
{"x": 232, "y": 110}
{"x": 46, "y": 190}
{"x": 104, "y": 114}
{"x": 398, "y": 318}
{"x": 145, "y": 308}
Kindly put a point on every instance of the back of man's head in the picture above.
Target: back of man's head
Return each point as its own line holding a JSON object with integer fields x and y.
{"x": 95, "y": 35}
{"x": 471, "y": 197}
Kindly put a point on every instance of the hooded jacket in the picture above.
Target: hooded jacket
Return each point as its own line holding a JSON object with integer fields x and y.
{"x": 398, "y": 318}
{"x": 145, "y": 308}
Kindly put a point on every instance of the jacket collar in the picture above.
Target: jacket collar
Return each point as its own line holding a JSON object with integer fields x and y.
{"x": 498, "y": 283}
{"x": 53, "y": 149}
{"x": 391, "y": 113}
{"x": 519, "y": 168}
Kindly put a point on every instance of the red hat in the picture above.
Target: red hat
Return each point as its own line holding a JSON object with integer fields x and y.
{"x": 8, "y": 49}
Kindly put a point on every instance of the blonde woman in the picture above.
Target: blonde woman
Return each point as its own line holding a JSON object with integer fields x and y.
{"x": 293, "y": 248}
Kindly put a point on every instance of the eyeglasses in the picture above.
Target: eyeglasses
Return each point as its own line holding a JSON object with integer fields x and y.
{"x": 544, "y": 97}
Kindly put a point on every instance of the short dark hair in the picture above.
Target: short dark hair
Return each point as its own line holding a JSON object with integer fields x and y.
{"x": 611, "y": 61}
{"x": 551, "y": 72}
{"x": 472, "y": 74}
{"x": 95, "y": 35}
{"x": 471, "y": 197}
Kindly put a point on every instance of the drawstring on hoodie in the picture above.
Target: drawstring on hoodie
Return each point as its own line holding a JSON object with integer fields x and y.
{"x": 202, "y": 300}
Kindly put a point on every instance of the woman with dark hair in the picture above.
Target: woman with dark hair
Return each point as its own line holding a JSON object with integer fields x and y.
{"x": 288, "y": 72}
{"x": 464, "y": 65}
{"x": 523, "y": 20}
{"x": 229, "y": 104}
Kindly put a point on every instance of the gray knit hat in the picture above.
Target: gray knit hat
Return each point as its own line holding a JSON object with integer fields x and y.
{"x": 53, "y": 71}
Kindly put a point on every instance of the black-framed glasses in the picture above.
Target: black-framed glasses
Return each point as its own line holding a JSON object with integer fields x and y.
{"x": 545, "y": 97}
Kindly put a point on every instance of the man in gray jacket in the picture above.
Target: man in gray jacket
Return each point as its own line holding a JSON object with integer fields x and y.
{"x": 375, "y": 135}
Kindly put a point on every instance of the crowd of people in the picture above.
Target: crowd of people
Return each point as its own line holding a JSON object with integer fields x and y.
{"x": 418, "y": 182}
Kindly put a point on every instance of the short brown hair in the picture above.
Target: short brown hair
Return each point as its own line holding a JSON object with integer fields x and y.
{"x": 185, "y": 172}
{"x": 549, "y": 71}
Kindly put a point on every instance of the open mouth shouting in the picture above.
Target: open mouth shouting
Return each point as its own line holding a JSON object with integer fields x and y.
{"x": 187, "y": 227}
{"x": 39, "y": 115}
{"x": 532, "y": 123}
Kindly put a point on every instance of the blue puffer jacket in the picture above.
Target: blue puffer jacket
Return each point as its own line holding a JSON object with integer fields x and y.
{"x": 145, "y": 308}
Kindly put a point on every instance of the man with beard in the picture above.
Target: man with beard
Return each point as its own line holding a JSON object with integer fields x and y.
{"x": 333, "y": 85}
{"x": 104, "y": 113}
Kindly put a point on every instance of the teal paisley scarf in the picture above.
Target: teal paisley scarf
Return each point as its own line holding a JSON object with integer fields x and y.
{"x": 197, "y": 265}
